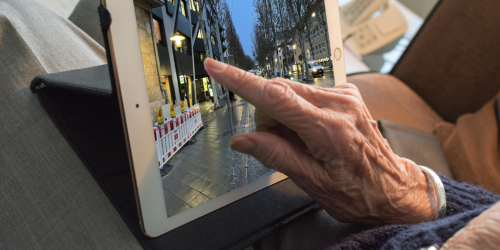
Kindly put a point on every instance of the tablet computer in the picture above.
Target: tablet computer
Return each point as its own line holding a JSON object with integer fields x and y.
{"x": 177, "y": 120}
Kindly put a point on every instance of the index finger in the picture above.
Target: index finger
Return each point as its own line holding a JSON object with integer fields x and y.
{"x": 275, "y": 98}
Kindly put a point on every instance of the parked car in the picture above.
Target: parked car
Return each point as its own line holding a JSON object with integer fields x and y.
{"x": 316, "y": 69}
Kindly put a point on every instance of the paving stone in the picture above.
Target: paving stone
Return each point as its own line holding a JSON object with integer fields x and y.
{"x": 174, "y": 205}
{"x": 201, "y": 184}
{"x": 197, "y": 199}
{"x": 216, "y": 191}
{"x": 213, "y": 190}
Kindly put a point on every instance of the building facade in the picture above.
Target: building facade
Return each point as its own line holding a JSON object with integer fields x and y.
{"x": 283, "y": 57}
{"x": 316, "y": 42}
{"x": 316, "y": 49}
{"x": 173, "y": 52}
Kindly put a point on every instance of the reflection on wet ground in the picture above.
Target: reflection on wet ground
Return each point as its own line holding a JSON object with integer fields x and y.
{"x": 209, "y": 168}
{"x": 325, "y": 81}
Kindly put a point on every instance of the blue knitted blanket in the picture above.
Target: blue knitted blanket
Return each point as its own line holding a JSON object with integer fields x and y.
{"x": 464, "y": 203}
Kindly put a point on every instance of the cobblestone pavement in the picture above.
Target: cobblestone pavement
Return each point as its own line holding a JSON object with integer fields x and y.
{"x": 209, "y": 168}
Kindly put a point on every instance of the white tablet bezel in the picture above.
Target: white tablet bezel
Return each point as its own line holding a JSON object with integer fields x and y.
{"x": 134, "y": 104}
{"x": 336, "y": 43}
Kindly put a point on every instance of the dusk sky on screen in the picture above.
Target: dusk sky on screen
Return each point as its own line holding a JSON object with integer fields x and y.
{"x": 242, "y": 11}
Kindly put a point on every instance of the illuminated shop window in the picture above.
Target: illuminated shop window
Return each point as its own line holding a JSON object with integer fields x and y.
{"x": 182, "y": 8}
{"x": 199, "y": 57}
{"x": 182, "y": 46}
{"x": 157, "y": 30}
{"x": 213, "y": 40}
{"x": 194, "y": 5}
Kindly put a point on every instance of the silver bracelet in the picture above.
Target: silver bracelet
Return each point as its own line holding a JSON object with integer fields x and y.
{"x": 433, "y": 247}
{"x": 440, "y": 190}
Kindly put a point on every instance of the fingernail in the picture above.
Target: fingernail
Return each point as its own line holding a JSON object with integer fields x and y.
{"x": 242, "y": 144}
{"x": 214, "y": 65}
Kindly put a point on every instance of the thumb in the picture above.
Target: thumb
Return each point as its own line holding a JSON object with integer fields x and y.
{"x": 273, "y": 152}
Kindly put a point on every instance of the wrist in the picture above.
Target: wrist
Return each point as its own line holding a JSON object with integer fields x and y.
{"x": 439, "y": 191}
{"x": 420, "y": 199}
{"x": 425, "y": 204}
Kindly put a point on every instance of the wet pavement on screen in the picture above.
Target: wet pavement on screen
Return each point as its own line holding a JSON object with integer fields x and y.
{"x": 209, "y": 168}
{"x": 325, "y": 81}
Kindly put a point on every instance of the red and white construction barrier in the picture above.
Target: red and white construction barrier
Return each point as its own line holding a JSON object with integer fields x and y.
{"x": 173, "y": 134}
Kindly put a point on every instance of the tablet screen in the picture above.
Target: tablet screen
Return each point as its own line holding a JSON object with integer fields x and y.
{"x": 190, "y": 116}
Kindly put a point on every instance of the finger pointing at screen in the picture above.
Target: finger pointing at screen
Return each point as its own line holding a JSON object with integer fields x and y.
{"x": 327, "y": 142}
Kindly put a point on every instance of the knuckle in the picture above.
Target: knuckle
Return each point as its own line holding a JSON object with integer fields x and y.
{"x": 278, "y": 93}
{"x": 313, "y": 91}
{"x": 321, "y": 96}
{"x": 350, "y": 100}
{"x": 351, "y": 86}
{"x": 241, "y": 75}
{"x": 351, "y": 89}
{"x": 352, "y": 92}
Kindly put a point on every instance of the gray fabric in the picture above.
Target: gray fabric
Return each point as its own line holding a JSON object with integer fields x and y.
{"x": 422, "y": 147}
{"x": 85, "y": 16}
{"x": 48, "y": 199}
{"x": 93, "y": 80}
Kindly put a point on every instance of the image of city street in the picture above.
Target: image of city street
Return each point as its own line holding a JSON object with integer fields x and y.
{"x": 196, "y": 163}
{"x": 176, "y": 37}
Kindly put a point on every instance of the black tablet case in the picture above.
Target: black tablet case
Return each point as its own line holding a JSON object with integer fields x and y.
{"x": 84, "y": 106}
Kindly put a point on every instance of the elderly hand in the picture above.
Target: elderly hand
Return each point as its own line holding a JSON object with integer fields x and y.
{"x": 325, "y": 140}
{"x": 482, "y": 233}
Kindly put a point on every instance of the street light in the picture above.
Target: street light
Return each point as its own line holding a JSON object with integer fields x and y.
{"x": 314, "y": 14}
{"x": 178, "y": 38}
{"x": 294, "y": 59}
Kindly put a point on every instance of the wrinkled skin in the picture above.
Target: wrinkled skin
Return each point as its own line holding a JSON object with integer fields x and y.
{"x": 482, "y": 233}
{"x": 325, "y": 140}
